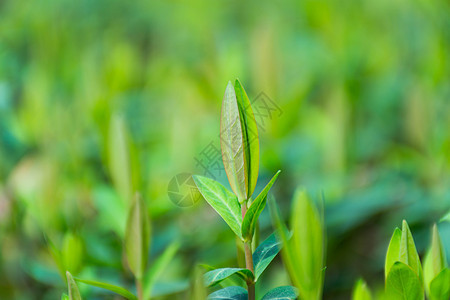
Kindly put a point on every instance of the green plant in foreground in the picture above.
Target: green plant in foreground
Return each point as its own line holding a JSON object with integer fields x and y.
{"x": 304, "y": 251}
{"x": 404, "y": 277}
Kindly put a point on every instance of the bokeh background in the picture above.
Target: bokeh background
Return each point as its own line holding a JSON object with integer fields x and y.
{"x": 363, "y": 92}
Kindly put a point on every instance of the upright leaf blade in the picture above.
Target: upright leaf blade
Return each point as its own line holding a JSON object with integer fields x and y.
{"x": 223, "y": 201}
{"x": 403, "y": 283}
{"x": 393, "y": 252}
{"x": 74, "y": 293}
{"x": 215, "y": 276}
{"x": 229, "y": 293}
{"x": 157, "y": 267}
{"x": 137, "y": 237}
{"x": 72, "y": 252}
{"x": 255, "y": 209}
{"x": 435, "y": 260}
{"x": 361, "y": 291}
{"x": 250, "y": 135}
{"x": 281, "y": 293}
{"x": 119, "y": 158}
{"x": 307, "y": 247}
{"x": 408, "y": 253}
{"x": 264, "y": 254}
{"x": 113, "y": 288}
{"x": 232, "y": 144}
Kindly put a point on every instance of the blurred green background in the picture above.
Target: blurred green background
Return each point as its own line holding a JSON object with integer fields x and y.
{"x": 363, "y": 89}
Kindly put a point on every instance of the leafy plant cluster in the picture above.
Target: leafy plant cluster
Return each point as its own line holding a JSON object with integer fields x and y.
{"x": 302, "y": 245}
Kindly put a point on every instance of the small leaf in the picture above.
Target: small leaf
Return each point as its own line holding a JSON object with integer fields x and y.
{"x": 223, "y": 201}
{"x": 255, "y": 209}
{"x": 72, "y": 252}
{"x": 403, "y": 283}
{"x": 217, "y": 275}
{"x": 281, "y": 293}
{"x": 361, "y": 291}
{"x": 116, "y": 289}
{"x": 229, "y": 293}
{"x": 250, "y": 136}
{"x": 158, "y": 267}
{"x": 435, "y": 260}
{"x": 119, "y": 158}
{"x": 137, "y": 237}
{"x": 64, "y": 297}
{"x": 232, "y": 144}
{"x": 393, "y": 252}
{"x": 74, "y": 293}
{"x": 264, "y": 254}
{"x": 440, "y": 286}
{"x": 306, "y": 249}
{"x": 408, "y": 252}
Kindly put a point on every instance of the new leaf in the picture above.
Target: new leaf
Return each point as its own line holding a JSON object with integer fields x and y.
{"x": 239, "y": 141}
{"x": 255, "y": 209}
{"x": 435, "y": 260}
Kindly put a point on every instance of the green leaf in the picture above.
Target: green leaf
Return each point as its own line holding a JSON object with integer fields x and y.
{"x": 223, "y": 201}
{"x": 361, "y": 291}
{"x": 64, "y": 297}
{"x": 119, "y": 158}
{"x": 158, "y": 267}
{"x": 229, "y": 293}
{"x": 137, "y": 237}
{"x": 217, "y": 275}
{"x": 435, "y": 260}
{"x": 255, "y": 209}
{"x": 264, "y": 254}
{"x": 440, "y": 286}
{"x": 250, "y": 136}
{"x": 408, "y": 253}
{"x": 74, "y": 293}
{"x": 113, "y": 288}
{"x": 72, "y": 252}
{"x": 281, "y": 293}
{"x": 232, "y": 144}
{"x": 403, "y": 283}
{"x": 393, "y": 252}
{"x": 305, "y": 251}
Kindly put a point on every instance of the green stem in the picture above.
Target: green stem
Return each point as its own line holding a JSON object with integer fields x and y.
{"x": 140, "y": 293}
{"x": 248, "y": 258}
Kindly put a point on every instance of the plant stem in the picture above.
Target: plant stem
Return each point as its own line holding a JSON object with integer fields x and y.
{"x": 248, "y": 258}
{"x": 140, "y": 293}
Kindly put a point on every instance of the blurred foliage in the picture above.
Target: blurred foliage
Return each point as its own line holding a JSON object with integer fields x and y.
{"x": 364, "y": 88}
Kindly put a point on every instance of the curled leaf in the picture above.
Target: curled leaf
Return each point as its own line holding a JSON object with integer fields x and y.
{"x": 239, "y": 141}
